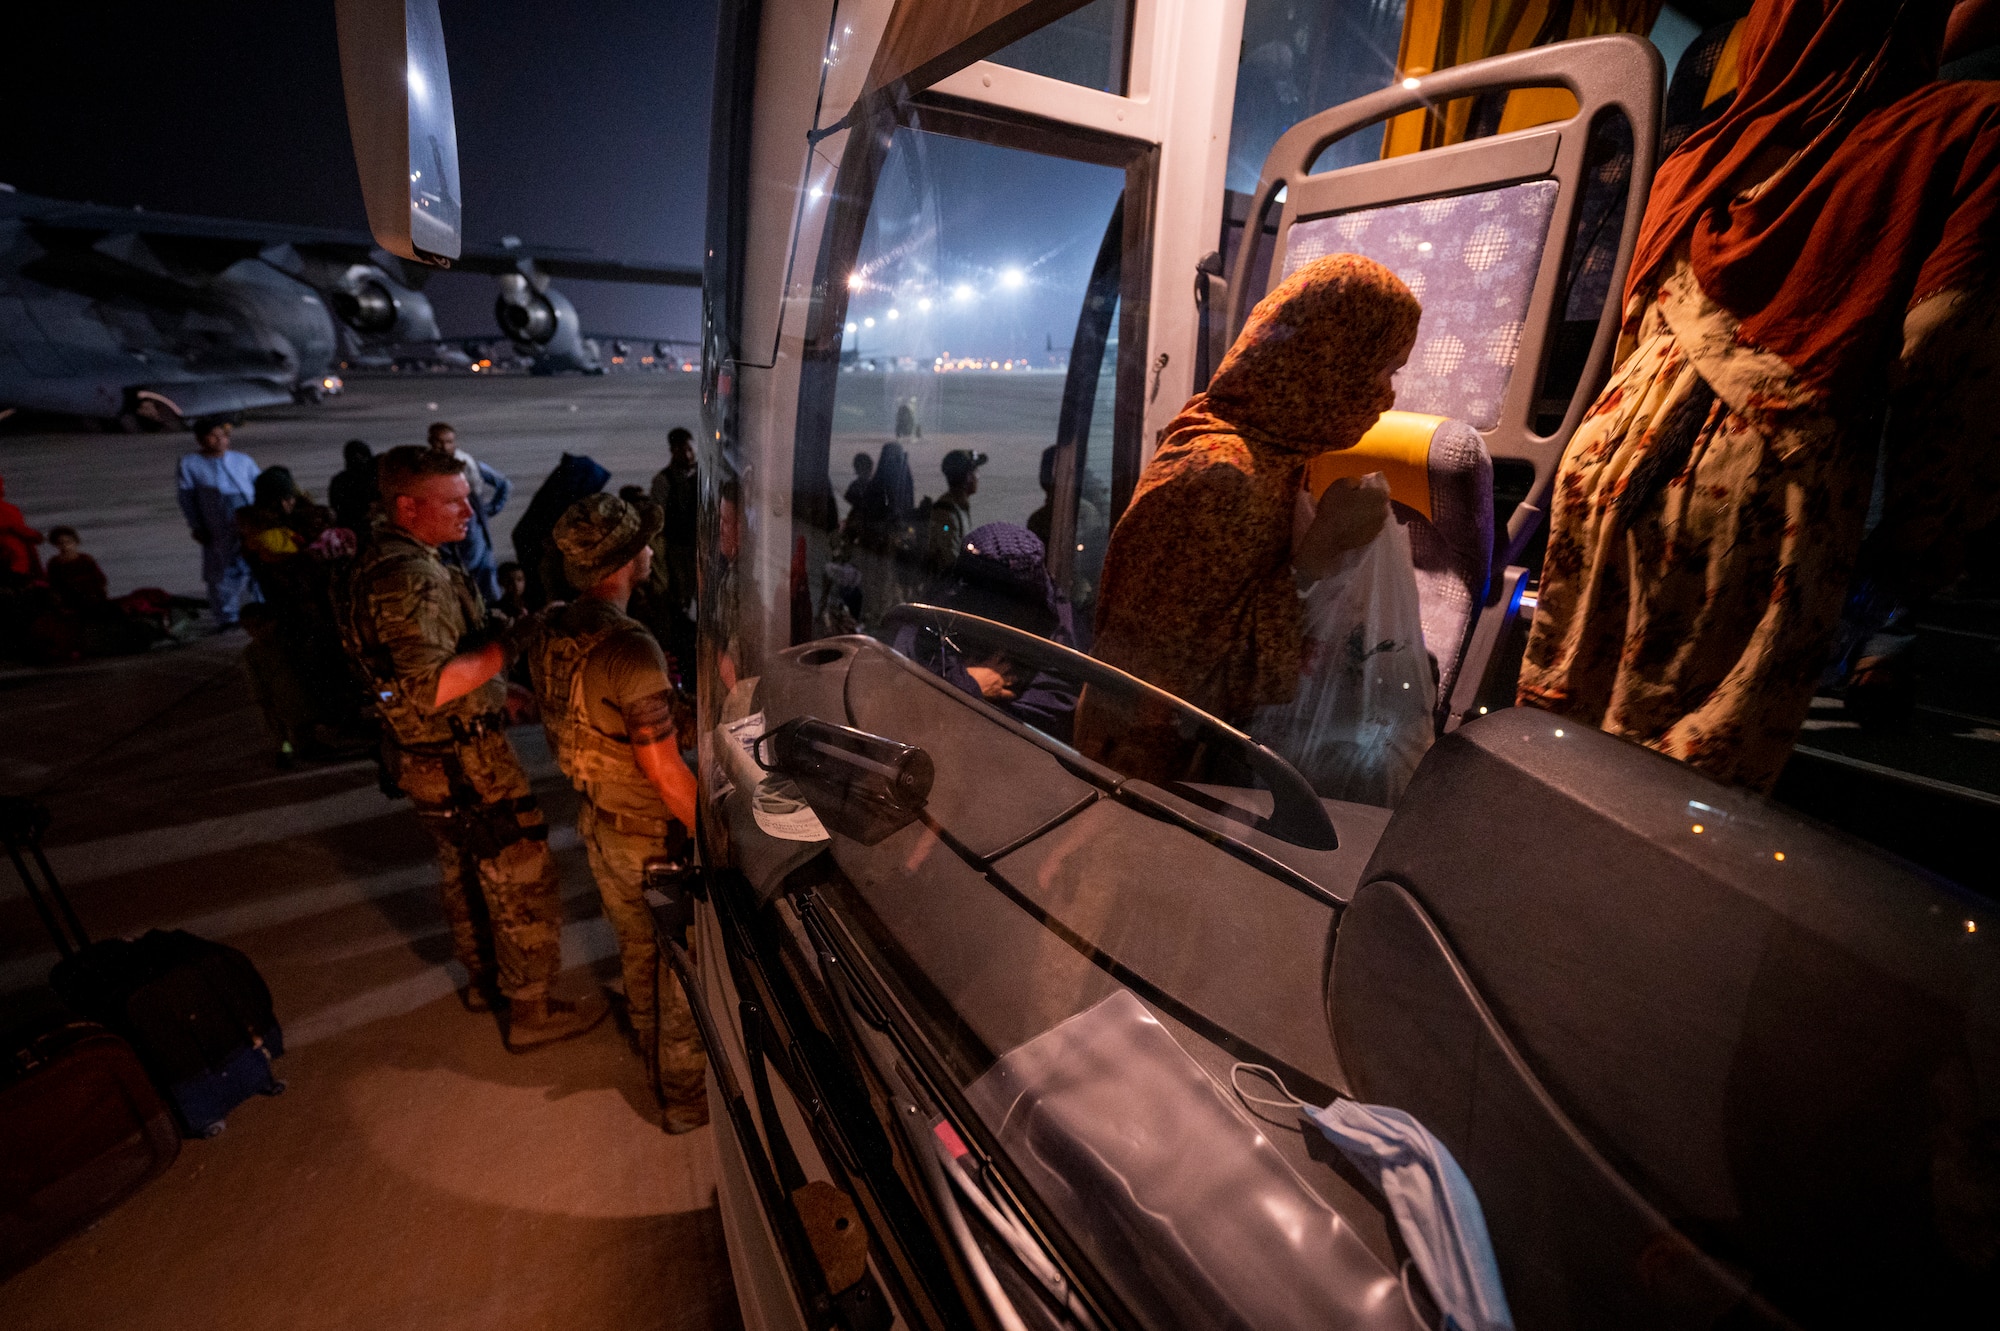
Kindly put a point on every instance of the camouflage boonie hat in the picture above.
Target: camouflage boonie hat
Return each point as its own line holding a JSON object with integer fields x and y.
{"x": 599, "y": 534}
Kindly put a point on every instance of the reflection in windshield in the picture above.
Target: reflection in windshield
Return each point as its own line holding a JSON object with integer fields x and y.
{"x": 1300, "y": 59}
{"x": 963, "y": 302}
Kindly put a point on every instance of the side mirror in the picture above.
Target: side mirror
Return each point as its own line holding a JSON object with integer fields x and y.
{"x": 398, "y": 88}
{"x": 860, "y": 785}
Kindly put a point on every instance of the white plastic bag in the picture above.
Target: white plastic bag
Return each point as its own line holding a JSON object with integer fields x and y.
{"x": 1361, "y": 719}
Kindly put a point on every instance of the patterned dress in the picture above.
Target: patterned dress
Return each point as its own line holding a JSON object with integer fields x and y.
{"x": 1197, "y": 595}
{"x": 1707, "y": 521}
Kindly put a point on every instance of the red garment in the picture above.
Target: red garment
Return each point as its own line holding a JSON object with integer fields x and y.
{"x": 17, "y": 543}
{"x": 77, "y": 581}
{"x": 1894, "y": 194}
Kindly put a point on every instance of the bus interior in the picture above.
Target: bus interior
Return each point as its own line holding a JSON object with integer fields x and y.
{"x": 997, "y": 1030}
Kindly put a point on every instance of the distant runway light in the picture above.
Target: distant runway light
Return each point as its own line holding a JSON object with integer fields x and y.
{"x": 854, "y": 328}
{"x": 924, "y": 304}
{"x": 856, "y": 281}
{"x": 868, "y": 322}
{"x": 962, "y": 292}
{"x": 1013, "y": 277}
{"x": 895, "y": 314}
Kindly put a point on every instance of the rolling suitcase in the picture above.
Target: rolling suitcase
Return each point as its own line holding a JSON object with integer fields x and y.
{"x": 84, "y": 1130}
{"x": 198, "y": 1013}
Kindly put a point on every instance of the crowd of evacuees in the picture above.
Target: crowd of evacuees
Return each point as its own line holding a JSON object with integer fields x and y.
{"x": 57, "y": 608}
{"x": 273, "y": 557}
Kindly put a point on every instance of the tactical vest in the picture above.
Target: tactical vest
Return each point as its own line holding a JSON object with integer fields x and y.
{"x": 408, "y": 723}
{"x": 590, "y": 758}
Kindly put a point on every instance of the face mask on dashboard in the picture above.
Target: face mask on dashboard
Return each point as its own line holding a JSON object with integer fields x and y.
{"x": 1436, "y": 1210}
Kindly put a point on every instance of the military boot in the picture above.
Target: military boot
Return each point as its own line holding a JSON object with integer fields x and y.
{"x": 534, "y": 1018}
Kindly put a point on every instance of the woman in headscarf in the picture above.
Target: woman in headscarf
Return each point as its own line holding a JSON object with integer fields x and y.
{"x": 1819, "y": 252}
{"x": 884, "y": 512}
{"x": 1199, "y": 593}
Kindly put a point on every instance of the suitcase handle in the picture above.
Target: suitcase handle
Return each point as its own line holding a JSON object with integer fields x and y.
{"x": 22, "y": 823}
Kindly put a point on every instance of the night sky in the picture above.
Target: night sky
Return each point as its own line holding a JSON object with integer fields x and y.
{"x": 582, "y": 125}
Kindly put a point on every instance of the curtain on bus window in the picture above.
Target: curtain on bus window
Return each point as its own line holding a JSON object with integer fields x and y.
{"x": 927, "y": 40}
{"x": 1438, "y": 34}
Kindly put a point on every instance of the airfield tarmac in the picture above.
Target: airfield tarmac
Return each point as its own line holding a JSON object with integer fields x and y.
{"x": 118, "y": 489}
{"x": 414, "y": 1173}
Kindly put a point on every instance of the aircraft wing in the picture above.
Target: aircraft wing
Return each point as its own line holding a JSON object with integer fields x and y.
{"x": 555, "y": 261}
{"x": 59, "y": 214}
{"x": 572, "y": 263}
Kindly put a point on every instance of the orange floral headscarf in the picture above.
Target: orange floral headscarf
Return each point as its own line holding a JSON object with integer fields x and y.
{"x": 1197, "y": 594}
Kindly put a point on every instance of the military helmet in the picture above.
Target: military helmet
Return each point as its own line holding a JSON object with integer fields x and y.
{"x": 599, "y": 534}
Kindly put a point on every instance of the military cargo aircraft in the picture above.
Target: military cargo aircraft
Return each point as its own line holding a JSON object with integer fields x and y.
{"x": 1006, "y": 1036}
{"x": 132, "y": 316}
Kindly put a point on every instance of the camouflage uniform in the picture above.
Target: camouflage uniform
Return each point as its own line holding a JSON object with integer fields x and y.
{"x": 404, "y": 615}
{"x": 623, "y": 822}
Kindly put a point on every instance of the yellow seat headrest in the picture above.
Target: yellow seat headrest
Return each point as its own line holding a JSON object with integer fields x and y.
{"x": 1398, "y": 446}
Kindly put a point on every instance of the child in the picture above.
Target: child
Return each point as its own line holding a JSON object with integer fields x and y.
{"x": 513, "y": 590}
{"x": 74, "y": 576}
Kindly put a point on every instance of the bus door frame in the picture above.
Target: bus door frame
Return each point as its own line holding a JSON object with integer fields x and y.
{"x": 853, "y": 195}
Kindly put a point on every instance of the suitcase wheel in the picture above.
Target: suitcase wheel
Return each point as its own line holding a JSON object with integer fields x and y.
{"x": 277, "y": 1087}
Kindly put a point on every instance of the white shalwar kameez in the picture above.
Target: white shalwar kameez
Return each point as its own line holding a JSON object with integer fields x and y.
{"x": 211, "y": 490}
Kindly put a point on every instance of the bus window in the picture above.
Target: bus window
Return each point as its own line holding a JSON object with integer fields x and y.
{"x": 1592, "y": 254}
{"x": 1299, "y": 58}
{"x": 1087, "y": 47}
{"x": 963, "y": 313}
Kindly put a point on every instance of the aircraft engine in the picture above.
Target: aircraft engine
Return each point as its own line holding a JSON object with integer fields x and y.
{"x": 525, "y": 314}
{"x": 374, "y": 304}
{"x": 542, "y": 324}
{"x": 366, "y": 307}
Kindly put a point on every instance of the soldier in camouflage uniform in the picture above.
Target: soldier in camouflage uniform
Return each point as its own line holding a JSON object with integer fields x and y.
{"x": 409, "y": 623}
{"x": 609, "y": 708}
